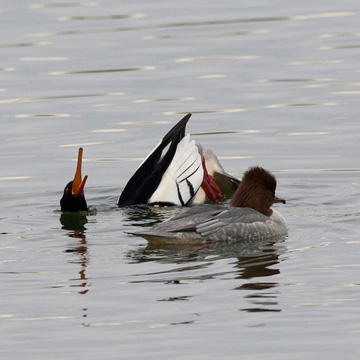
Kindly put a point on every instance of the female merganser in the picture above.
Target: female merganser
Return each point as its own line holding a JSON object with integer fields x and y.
{"x": 249, "y": 217}
{"x": 73, "y": 198}
{"x": 176, "y": 177}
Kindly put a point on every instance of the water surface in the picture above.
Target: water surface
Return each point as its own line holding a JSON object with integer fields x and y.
{"x": 268, "y": 84}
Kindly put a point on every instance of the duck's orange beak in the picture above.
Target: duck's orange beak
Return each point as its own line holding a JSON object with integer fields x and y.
{"x": 78, "y": 184}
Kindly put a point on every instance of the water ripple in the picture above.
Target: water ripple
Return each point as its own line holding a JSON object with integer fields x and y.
{"x": 219, "y": 57}
{"x": 7, "y": 69}
{"x": 227, "y": 132}
{"x": 199, "y": 23}
{"x": 293, "y": 80}
{"x": 213, "y": 76}
{"x": 315, "y": 62}
{"x": 331, "y": 85}
{"x": 159, "y": 26}
{"x": 47, "y": 58}
{"x": 108, "y": 130}
{"x": 309, "y": 133}
{"x": 140, "y": 101}
{"x": 323, "y": 15}
{"x": 339, "y": 47}
{"x": 109, "y": 17}
{"x": 27, "y": 100}
{"x": 6, "y": 178}
{"x": 40, "y": 43}
{"x": 42, "y": 115}
{"x": 207, "y": 35}
{"x": 106, "y": 159}
{"x": 319, "y": 170}
{"x": 327, "y": 36}
{"x": 151, "y": 122}
{"x": 135, "y": 68}
{"x": 64, "y": 4}
{"x": 354, "y": 92}
{"x": 273, "y": 106}
{"x": 218, "y": 111}
{"x": 80, "y": 144}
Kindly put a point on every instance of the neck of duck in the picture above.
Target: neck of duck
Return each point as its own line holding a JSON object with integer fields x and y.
{"x": 255, "y": 196}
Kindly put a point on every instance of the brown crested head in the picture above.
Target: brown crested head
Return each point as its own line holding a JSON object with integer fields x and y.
{"x": 256, "y": 190}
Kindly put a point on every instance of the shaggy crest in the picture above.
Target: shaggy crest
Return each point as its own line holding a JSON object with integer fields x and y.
{"x": 256, "y": 191}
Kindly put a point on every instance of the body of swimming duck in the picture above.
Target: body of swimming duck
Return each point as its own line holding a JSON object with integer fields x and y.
{"x": 249, "y": 217}
{"x": 175, "y": 173}
{"x": 73, "y": 198}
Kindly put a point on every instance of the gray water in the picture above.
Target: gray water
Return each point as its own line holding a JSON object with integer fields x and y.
{"x": 274, "y": 84}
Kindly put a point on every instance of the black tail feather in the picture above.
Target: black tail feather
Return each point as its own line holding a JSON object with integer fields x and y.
{"x": 147, "y": 177}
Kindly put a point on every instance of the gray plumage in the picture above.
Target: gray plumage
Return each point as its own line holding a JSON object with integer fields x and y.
{"x": 217, "y": 223}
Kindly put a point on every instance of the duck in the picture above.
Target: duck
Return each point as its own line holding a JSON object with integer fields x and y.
{"x": 73, "y": 198}
{"x": 178, "y": 172}
{"x": 249, "y": 216}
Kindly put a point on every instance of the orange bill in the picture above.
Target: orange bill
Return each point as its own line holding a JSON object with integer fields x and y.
{"x": 78, "y": 183}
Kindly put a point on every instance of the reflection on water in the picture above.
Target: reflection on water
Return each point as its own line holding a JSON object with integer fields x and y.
{"x": 248, "y": 253}
{"x": 144, "y": 216}
{"x": 253, "y": 260}
{"x": 262, "y": 295}
{"x": 75, "y": 221}
{"x": 249, "y": 261}
{"x": 75, "y": 224}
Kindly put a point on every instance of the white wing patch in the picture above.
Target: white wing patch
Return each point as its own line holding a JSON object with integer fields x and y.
{"x": 183, "y": 177}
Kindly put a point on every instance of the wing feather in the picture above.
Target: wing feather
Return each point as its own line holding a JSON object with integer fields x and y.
{"x": 231, "y": 223}
{"x": 148, "y": 175}
{"x": 183, "y": 177}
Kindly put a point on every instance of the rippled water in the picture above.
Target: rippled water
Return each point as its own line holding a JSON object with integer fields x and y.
{"x": 269, "y": 83}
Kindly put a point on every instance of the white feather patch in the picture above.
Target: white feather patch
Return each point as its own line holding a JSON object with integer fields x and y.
{"x": 183, "y": 177}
